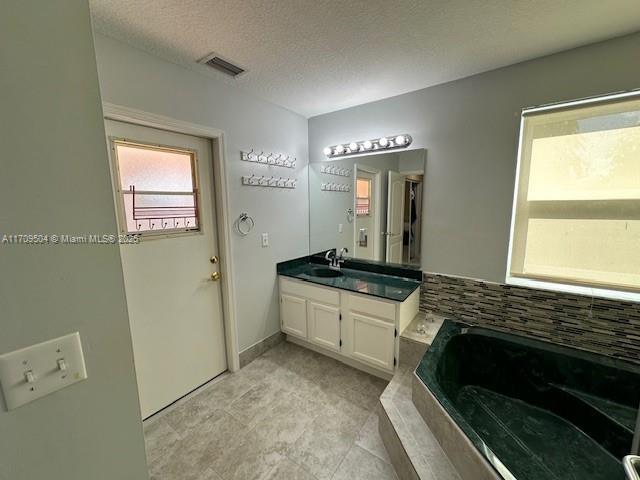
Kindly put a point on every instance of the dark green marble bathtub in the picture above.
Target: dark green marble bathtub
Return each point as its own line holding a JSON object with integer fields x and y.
{"x": 536, "y": 411}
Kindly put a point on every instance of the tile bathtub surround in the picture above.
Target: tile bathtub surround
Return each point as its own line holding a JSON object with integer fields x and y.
{"x": 289, "y": 414}
{"x": 598, "y": 325}
{"x": 412, "y": 446}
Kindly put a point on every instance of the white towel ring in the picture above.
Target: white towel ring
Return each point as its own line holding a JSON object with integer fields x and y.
{"x": 244, "y": 224}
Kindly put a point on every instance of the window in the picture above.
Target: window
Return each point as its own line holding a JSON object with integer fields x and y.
{"x": 363, "y": 196}
{"x": 157, "y": 188}
{"x": 576, "y": 222}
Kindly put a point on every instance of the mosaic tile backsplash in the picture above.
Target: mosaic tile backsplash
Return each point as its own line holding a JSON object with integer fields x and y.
{"x": 599, "y": 325}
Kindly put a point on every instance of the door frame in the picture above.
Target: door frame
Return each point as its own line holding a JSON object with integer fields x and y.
{"x": 377, "y": 218}
{"x": 221, "y": 194}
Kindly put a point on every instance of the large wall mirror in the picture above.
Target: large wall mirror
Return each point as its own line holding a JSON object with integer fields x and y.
{"x": 370, "y": 204}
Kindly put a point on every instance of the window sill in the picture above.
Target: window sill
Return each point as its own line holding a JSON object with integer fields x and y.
{"x": 574, "y": 289}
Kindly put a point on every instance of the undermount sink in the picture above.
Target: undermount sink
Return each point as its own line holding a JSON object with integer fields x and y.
{"x": 325, "y": 272}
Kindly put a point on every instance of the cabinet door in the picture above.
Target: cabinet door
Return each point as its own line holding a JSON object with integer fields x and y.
{"x": 371, "y": 340}
{"x": 293, "y": 315}
{"x": 324, "y": 325}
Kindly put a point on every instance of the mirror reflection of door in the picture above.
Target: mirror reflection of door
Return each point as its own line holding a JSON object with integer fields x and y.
{"x": 395, "y": 217}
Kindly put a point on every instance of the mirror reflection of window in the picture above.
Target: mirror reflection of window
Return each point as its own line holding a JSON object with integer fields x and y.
{"x": 363, "y": 196}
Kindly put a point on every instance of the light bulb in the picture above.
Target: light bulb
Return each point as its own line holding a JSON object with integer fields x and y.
{"x": 339, "y": 149}
{"x": 383, "y": 142}
{"x": 327, "y": 151}
{"x": 353, "y": 146}
{"x": 401, "y": 140}
{"x": 367, "y": 145}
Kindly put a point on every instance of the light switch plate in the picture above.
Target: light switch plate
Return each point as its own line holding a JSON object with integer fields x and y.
{"x": 265, "y": 240}
{"x": 53, "y": 365}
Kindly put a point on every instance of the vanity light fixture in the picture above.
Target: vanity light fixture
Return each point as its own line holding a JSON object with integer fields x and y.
{"x": 383, "y": 143}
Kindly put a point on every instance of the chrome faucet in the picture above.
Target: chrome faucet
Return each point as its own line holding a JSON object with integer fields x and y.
{"x": 335, "y": 261}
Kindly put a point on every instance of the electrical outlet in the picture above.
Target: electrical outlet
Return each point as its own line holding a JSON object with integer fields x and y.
{"x": 265, "y": 240}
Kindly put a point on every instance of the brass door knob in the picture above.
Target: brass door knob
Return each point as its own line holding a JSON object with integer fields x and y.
{"x": 214, "y": 259}
{"x": 215, "y": 276}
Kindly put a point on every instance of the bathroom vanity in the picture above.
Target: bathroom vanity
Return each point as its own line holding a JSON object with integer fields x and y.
{"x": 355, "y": 314}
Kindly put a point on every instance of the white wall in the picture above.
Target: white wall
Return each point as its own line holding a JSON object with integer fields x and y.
{"x": 470, "y": 130}
{"x": 54, "y": 178}
{"x": 135, "y": 79}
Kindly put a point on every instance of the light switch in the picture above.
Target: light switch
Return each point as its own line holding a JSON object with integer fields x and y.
{"x": 33, "y": 372}
{"x": 29, "y": 376}
{"x": 340, "y": 227}
{"x": 265, "y": 240}
{"x": 62, "y": 365}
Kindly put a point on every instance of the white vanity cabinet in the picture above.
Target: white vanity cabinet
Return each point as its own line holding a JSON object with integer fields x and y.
{"x": 324, "y": 325}
{"x": 370, "y": 331}
{"x": 310, "y": 312}
{"x": 293, "y": 315}
{"x": 357, "y": 329}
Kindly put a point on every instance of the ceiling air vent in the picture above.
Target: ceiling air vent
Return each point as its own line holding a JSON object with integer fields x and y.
{"x": 215, "y": 61}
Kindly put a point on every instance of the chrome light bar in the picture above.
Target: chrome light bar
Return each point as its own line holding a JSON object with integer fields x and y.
{"x": 391, "y": 142}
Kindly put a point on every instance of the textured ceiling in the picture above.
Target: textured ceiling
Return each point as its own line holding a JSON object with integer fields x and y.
{"x": 320, "y": 56}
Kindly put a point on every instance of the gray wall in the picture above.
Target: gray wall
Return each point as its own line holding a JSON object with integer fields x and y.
{"x": 135, "y": 79}
{"x": 470, "y": 130}
{"x": 55, "y": 179}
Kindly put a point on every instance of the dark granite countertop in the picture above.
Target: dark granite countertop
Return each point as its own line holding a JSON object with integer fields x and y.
{"x": 356, "y": 279}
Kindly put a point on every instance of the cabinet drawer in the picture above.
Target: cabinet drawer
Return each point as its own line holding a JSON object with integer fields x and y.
{"x": 372, "y": 307}
{"x": 310, "y": 292}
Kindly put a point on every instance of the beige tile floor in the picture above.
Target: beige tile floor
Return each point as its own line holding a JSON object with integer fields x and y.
{"x": 291, "y": 414}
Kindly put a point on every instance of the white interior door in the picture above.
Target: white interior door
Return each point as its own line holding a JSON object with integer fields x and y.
{"x": 175, "y": 306}
{"x": 395, "y": 209}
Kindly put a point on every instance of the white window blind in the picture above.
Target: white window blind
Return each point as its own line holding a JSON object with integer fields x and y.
{"x": 577, "y": 204}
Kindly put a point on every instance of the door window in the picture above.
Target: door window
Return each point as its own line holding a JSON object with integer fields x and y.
{"x": 157, "y": 188}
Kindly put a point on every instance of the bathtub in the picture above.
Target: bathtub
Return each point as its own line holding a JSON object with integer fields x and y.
{"x": 529, "y": 410}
